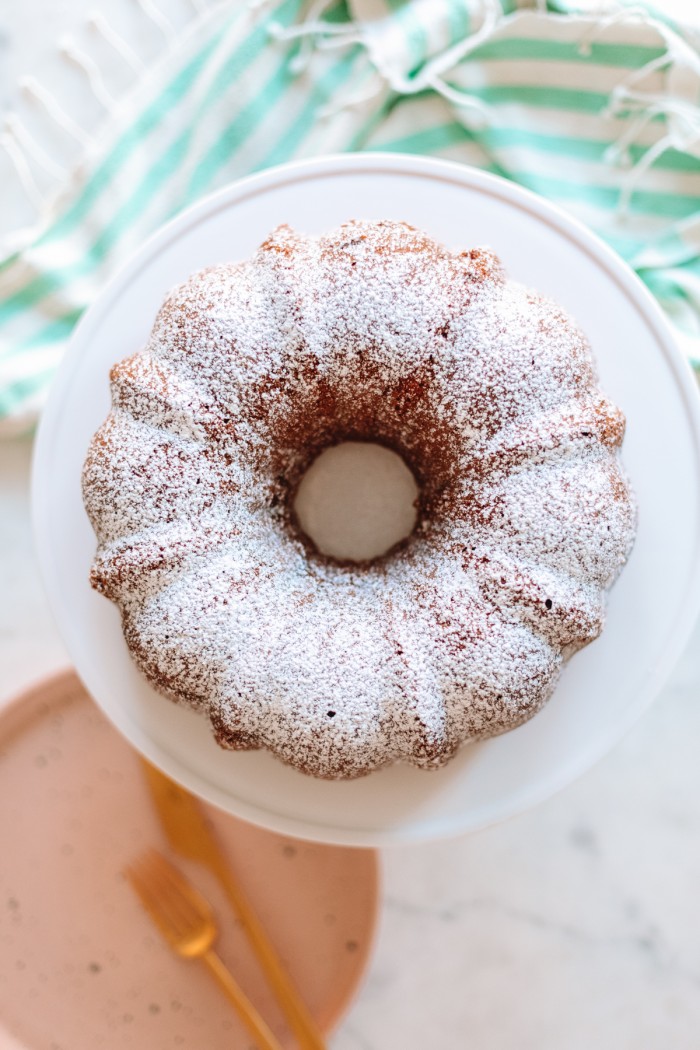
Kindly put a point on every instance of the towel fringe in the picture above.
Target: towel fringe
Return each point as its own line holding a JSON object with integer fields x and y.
{"x": 316, "y": 34}
{"x": 159, "y": 20}
{"x": 70, "y": 50}
{"x": 81, "y": 57}
{"x": 35, "y": 91}
{"x": 32, "y": 149}
{"x": 682, "y": 118}
{"x": 22, "y": 149}
{"x": 623, "y": 14}
{"x": 99, "y": 23}
{"x": 683, "y": 134}
{"x": 435, "y": 68}
{"x": 312, "y": 32}
{"x": 23, "y": 170}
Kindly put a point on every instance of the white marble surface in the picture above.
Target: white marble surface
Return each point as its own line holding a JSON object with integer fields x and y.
{"x": 570, "y": 927}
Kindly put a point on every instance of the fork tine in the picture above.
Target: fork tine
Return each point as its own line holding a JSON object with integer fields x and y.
{"x": 137, "y": 874}
{"x": 165, "y": 896}
{"x": 184, "y": 899}
{"x": 181, "y": 913}
{"x": 186, "y": 920}
{"x": 167, "y": 892}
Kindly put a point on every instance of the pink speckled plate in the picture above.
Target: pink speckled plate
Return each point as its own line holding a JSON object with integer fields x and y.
{"x": 81, "y": 967}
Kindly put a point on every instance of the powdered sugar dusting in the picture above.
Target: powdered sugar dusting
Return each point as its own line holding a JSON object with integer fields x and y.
{"x": 371, "y": 332}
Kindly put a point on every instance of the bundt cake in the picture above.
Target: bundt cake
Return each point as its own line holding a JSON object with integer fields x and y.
{"x": 371, "y": 332}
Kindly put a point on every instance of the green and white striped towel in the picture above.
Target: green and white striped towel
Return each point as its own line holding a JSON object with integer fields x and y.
{"x": 599, "y": 113}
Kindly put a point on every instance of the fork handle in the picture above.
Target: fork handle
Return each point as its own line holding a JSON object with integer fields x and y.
{"x": 256, "y": 1025}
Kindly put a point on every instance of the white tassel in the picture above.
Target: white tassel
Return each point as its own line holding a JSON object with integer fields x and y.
{"x": 655, "y": 66}
{"x": 15, "y": 127}
{"x": 649, "y": 106}
{"x": 634, "y": 177}
{"x": 69, "y": 50}
{"x": 641, "y": 107}
{"x": 443, "y": 63}
{"x": 313, "y": 33}
{"x": 37, "y": 93}
{"x": 683, "y": 134}
{"x": 433, "y": 72}
{"x": 331, "y": 35}
{"x": 624, "y": 14}
{"x": 19, "y": 160}
{"x": 481, "y": 117}
{"x": 158, "y": 18}
{"x": 99, "y": 23}
{"x": 301, "y": 61}
{"x": 618, "y": 152}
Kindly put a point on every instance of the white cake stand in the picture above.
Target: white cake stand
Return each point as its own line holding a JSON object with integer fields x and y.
{"x": 652, "y": 608}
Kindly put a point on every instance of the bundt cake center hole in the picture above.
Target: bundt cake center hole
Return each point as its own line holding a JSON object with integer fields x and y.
{"x": 356, "y": 501}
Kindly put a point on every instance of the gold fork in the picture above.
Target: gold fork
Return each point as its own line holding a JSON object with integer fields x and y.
{"x": 190, "y": 835}
{"x": 187, "y": 922}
